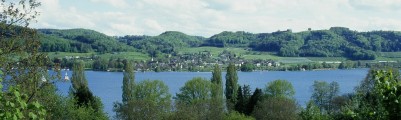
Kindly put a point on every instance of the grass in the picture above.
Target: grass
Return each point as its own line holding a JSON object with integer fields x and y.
{"x": 215, "y": 51}
{"x": 63, "y": 54}
{"x": 391, "y": 54}
{"x": 317, "y": 59}
{"x": 126, "y": 55}
{"x": 122, "y": 55}
{"x": 294, "y": 60}
{"x": 246, "y": 54}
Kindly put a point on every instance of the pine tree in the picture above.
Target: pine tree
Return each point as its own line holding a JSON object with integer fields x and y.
{"x": 231, "y": 86}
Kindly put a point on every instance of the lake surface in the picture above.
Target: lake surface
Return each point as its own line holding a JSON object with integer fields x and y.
{"x": 107, "y": 85}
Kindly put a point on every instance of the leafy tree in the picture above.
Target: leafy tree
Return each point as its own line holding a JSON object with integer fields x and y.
{"x": 278, "y": 102}
{"x": 15, "y": 105}
{"x": 276, "y": 108}
{"x": 387, "y": 85}
{"x": 247, "y": 67}
{"x": 151, "y": 100}
{"x": 312, "y": 112}
{"x": 196, "y": 101}
{"x": 323, "y": 94}
{"x": 280, "y": 88}
{"x": 194, "y": 90}
{"x": 231, "y": 86}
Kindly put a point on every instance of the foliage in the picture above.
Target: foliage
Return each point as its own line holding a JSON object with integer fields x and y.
{"x": 247, "y": 67}
{"x": 255, "y": 98}
{"x": 79, "y": 40}
{"x": 83, "y": 99}
{"x": 323, "y": 95}
{"x": 276, "y": 108}
{"x": 194, "y": 90}
{"x": 150, "y": 100}
{"x": 237, "y": 116}
{"x": 168, "y": 42}
{"x": 312, "y": 112}
{"x": 128, "y": 82}
{"x": 217, "y": 93}
{"x": 387, "y": 85}
{"x": 279, "y": 88}
{"x": 334, "y": 42}
{"x": 14, "y": 105}
{"x": 231, "y": 86}
{"x": 376, "y": 98}
{"x": 244, "y": 95}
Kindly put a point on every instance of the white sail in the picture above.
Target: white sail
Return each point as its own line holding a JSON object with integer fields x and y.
{"x": 66, "y": 78}
{"x": 43, "y": 79}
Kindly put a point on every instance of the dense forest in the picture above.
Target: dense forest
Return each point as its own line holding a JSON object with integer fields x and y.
{"x": 79, "y": 40}
{"x": 334, "y": 42}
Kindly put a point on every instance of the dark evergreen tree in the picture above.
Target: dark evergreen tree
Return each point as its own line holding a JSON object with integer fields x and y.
{"x": 255, "y": 98}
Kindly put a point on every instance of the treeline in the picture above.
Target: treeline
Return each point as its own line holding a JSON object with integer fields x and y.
{"x": 199, "y": 99}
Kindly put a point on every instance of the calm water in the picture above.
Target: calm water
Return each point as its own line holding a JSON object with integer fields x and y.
{"x": 107, "y": 85}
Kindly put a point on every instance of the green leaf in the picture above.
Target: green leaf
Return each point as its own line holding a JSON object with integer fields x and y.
{"x": 32, "y": 115}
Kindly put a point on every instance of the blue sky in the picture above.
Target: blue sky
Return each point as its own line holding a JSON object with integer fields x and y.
{"x": 208, "y": 17}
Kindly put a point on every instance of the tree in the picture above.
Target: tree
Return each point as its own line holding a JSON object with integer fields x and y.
{"x": 128, "y": 82}
{"x": 195, "y": 99}
{"x": 247, "y": 67}
{"x": 21, "y": 62}
{"x": 79, "y": 83}
{"x": 217, "y": 94}
{"x": 312, "y": 112}
{"x": 276, "y": 108}
{"x": 231, "y": 86}
{"x": 84, "y": 98}
{"x": 151, "y": 100}
{"x": 255, "y": 98}
{"x": 14, "y": 105}
{"x": 280, "y": 88}
{"x": 244, "y": 94}
{"x": 194, "y": 90}
{"x": 128, "y": 89}
{"x": 323, "y": 94}
{"x": 278, "y": 102}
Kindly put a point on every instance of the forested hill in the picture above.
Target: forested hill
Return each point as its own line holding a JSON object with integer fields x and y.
{"x": 79, "y": 40}
{"x": 334, "y": 42}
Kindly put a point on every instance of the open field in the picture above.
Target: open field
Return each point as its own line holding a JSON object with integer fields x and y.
{"x": 122, "y": 55}
{"x": 215, "y": 51}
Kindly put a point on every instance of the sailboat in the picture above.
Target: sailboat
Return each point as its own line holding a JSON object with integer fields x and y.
{"x": 43, "y": 79}
{"x": 66, "y": 78}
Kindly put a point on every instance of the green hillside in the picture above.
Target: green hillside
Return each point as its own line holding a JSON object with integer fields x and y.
{"x": 79, "y": 40}
{"x": 334, "y": 43}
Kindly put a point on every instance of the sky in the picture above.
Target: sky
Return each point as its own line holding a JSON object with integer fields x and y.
{"x": 209, "y": 17}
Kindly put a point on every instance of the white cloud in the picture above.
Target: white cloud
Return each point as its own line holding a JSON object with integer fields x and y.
{"x": 115, "y": 3}
{"x": 208, "y": 17}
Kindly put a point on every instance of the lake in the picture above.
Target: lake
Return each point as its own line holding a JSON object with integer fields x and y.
{"x": 107, "y": 85}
